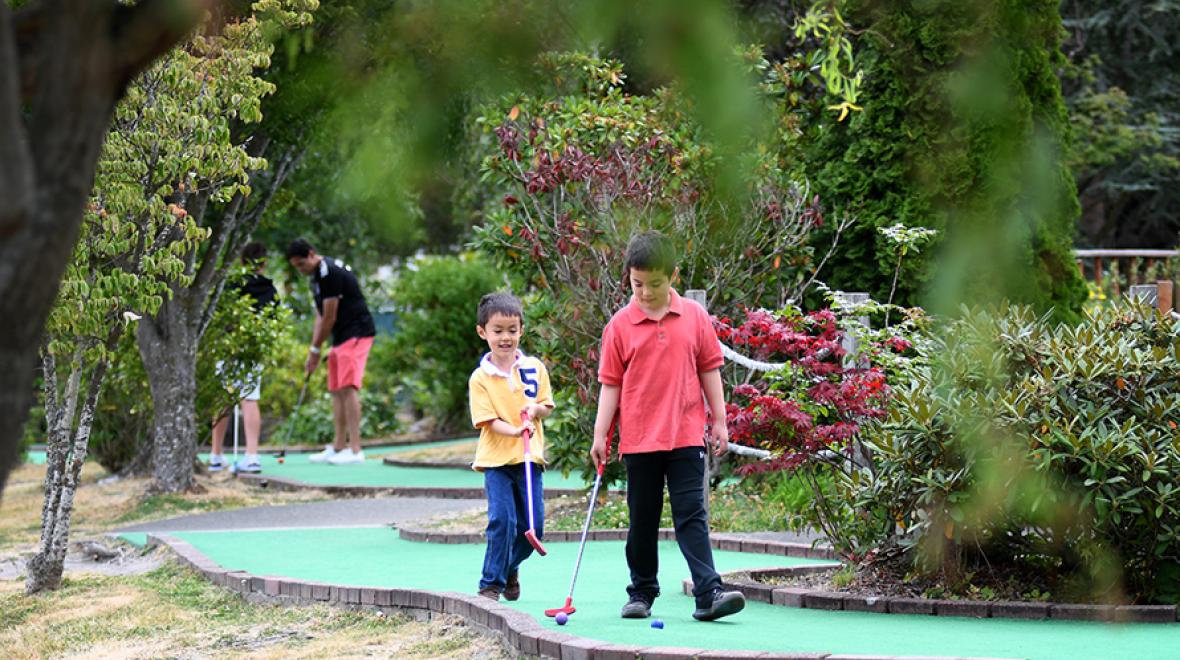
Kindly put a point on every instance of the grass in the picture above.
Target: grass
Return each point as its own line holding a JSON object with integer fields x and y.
{"x": 172, "y": 612}
{"x": 459, "y": 453}
{"x": 99, "y": 507}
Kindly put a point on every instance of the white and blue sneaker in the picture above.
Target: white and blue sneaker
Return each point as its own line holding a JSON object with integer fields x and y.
{"x": 217, "y": 463}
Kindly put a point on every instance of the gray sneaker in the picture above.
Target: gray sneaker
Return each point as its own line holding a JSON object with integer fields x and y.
{"x": 720, "y": 603}
{"x": 639, "y": 607}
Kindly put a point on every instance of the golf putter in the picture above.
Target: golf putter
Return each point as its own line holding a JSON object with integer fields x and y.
{"x": 531, "y": 532}
{"x": 233, "y": 467}
{"x": 282, "y": 454}
{"x": 569, "y": 608}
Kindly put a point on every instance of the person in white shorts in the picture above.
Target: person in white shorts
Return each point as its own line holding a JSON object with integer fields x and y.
{"x": 262, "y": 290}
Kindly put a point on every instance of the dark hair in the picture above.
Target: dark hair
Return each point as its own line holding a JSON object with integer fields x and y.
{"x": 501, "y": 303}
{"x": 299, "y": 248}
{"x": 651, "y": 251}
{"x": 252, "y": 253}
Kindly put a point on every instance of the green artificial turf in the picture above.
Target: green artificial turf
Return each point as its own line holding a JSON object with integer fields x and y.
{"x": 376, "y": 557}
{"x": 374, "y": 472}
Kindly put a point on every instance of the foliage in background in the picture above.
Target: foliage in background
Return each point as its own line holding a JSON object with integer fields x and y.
{"x": 240, "y": 342}
{"x": 436, "y": 346}
{"x": 963, "y": 131}
{"x": 240, "y": 339}
{"x": 1045, "y": 447}
{"x": 1123, "y": 92}
{"x": 578, "y": 171}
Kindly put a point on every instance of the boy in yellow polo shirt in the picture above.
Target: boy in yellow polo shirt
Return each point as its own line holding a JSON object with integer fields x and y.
{"x": 507, "y": 383}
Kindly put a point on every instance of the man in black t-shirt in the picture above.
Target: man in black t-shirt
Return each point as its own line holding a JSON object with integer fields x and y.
{"x": 262, "y": 292}
{"x": 340, "y": 311}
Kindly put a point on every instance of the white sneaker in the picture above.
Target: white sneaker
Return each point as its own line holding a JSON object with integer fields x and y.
{"x": 249, "y": 464}
{"x": 347, "y": 457}
{"x": 217, "y": 463}
{"x": 323, "y": 456}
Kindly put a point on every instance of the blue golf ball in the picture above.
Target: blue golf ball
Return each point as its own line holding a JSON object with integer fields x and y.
{"x": 561, "y": 618}
{"x": 657, "y": 624}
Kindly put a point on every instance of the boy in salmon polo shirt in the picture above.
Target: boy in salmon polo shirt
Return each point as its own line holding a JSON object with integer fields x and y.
{"x": 506, "y": 384}
{"x": 658, "y": 354}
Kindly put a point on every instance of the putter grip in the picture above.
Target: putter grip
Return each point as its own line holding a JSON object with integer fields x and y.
{"x": 524, "y": 417}
{"x": 610, "y": 436}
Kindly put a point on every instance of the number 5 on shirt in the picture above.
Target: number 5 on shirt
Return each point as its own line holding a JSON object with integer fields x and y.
{"x": 528, "y": 376}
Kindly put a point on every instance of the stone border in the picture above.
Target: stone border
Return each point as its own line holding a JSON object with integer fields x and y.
{"x": 391, "y": 441}
{"x": 980, "y": 609}
{"x": 263, "y": 480}
{"x": 398, "y": 462}
{"x": 719, "y": 542}
{"x": 516, "y": 630}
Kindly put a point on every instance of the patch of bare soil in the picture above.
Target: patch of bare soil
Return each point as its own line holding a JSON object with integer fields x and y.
{"x": 894, "y": 579}
{"x": 459, "y": 454}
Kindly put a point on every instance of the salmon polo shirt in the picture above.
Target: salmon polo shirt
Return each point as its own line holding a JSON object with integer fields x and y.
{"x": 657, "y": 365}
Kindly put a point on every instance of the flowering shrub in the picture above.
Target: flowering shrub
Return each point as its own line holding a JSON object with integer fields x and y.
{"x": 575, "y": 175}
{"x": 815, "y": 404}
{"x": 814, "y": 413}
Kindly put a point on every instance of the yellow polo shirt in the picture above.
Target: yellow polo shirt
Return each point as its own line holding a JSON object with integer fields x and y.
{"x": 495, "y": 394}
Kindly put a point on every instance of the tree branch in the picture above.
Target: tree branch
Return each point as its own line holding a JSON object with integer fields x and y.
{"x": 142, "y": 32}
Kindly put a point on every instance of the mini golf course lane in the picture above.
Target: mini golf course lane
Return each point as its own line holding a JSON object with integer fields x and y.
{"x": 376, "y": 557}
{"x": 373, "y": 472}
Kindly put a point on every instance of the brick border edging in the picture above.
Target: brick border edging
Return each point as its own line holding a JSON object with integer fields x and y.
{"x": 398, "y": 462}
{"x": 519, "y": 631}
{"x": 263, "y": 480}
{"x": 818, "y": 599}
{"x": 391, "y": 441}
{"x": 718, "y": 541}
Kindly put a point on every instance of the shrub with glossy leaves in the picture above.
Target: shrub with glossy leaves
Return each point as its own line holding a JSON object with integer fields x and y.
{"x": 1050, "y": 446}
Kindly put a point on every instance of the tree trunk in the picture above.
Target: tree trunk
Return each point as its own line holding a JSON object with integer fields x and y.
{"x": 168, "y": 344}
{"x": 67, "y": 453}
{"x": 62, "y": 68}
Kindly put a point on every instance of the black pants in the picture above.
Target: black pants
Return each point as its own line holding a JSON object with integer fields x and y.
{"x": 683, "y": 470}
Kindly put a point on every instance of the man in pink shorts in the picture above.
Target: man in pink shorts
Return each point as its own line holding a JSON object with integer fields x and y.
{"x": 340, "y": 311}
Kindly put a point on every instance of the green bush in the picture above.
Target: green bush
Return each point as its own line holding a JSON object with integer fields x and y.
{"x": 238, "y": 337}
{"x": 122, "y": 426}
{"x": 436, "y": 348}
{"x": 963, "y": 131}
{"x": 1025, "y": 444}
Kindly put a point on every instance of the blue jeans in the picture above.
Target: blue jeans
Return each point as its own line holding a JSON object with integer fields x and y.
{"x": 508, "y": 519}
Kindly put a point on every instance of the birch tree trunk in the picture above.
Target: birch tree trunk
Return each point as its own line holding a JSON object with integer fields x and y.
{"x": 69, "y": 437}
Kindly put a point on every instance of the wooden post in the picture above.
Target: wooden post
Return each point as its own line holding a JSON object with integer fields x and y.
{"x": 1165, "y": 295}
{"x": 698, "y": 295}
{"x": 850, "y": 343}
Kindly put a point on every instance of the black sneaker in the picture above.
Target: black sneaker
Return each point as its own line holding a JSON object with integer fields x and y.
{"x": 723, "y": 603}
{"x": 639, "y": 607}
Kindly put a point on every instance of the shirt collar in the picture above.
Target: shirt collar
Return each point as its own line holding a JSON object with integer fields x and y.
{"x": 636, "y": 315}
{"x": 491, "y": 369}
{"x": 323, "y": 267}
